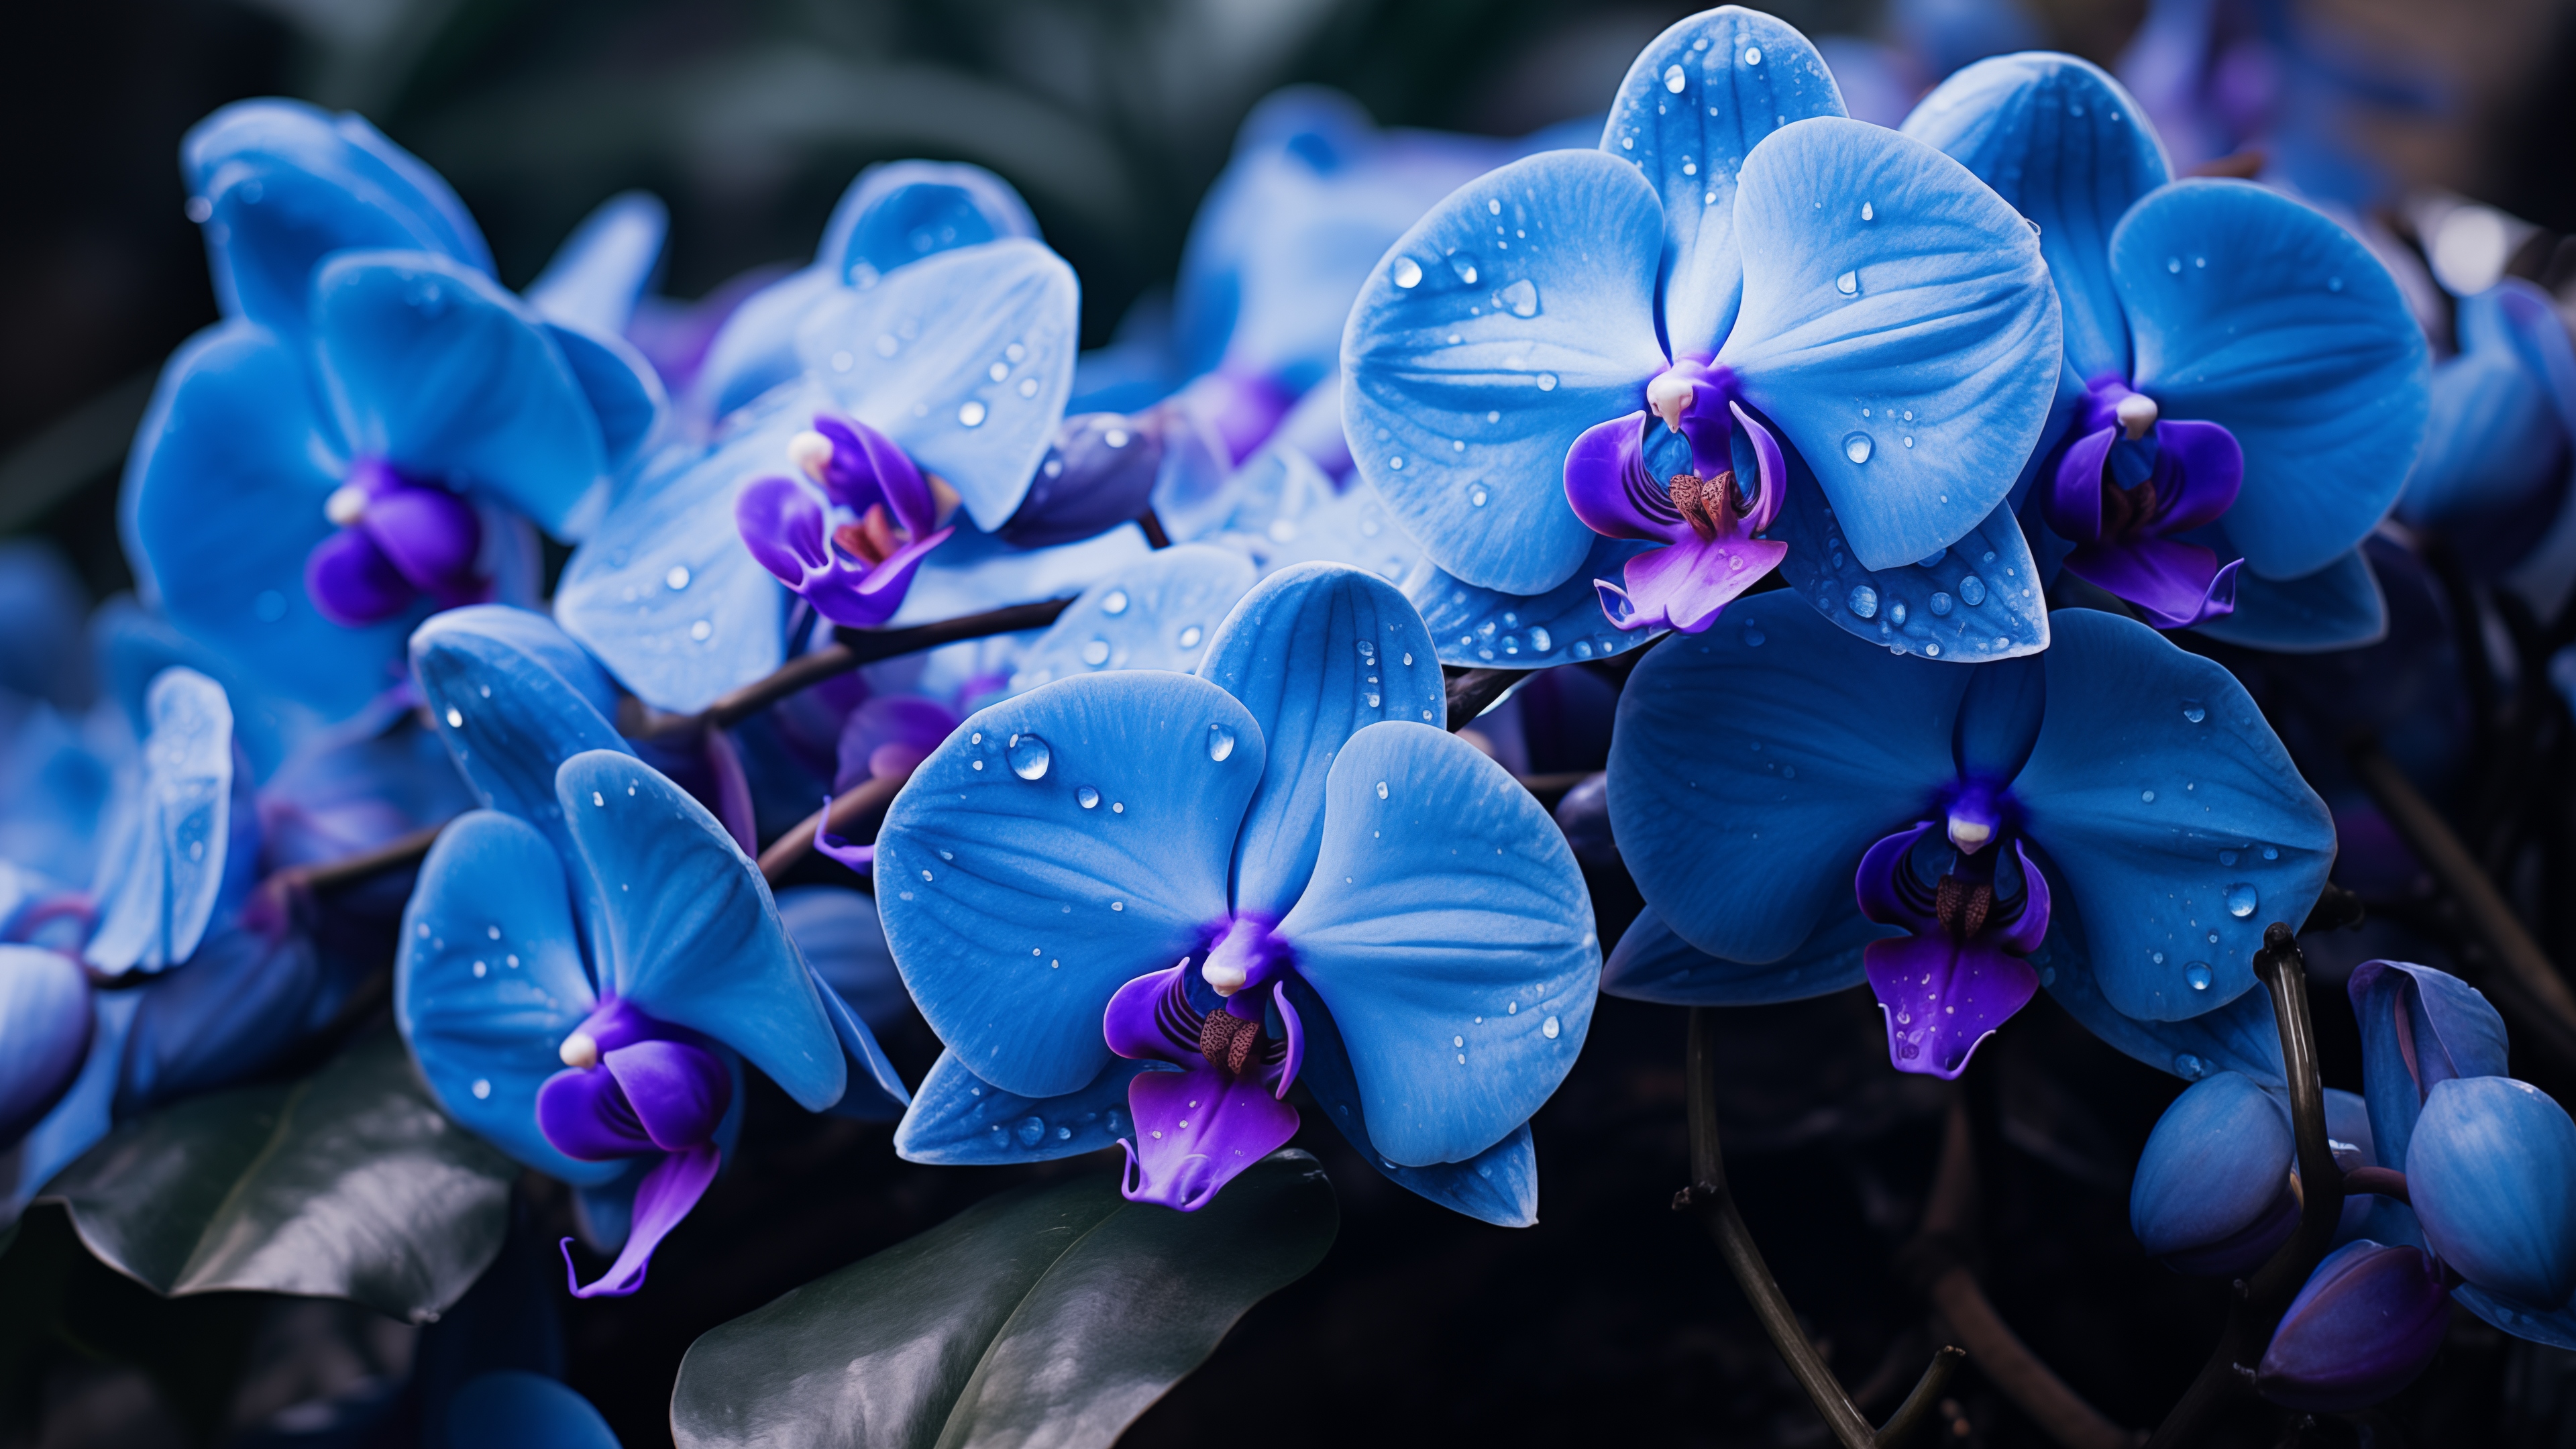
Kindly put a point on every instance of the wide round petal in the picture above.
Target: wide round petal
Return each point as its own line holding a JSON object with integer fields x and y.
{"x": 166, "y": 866}
{"x": 1948, "y": 333}
{"x": 2064, "y": 145}
{"x": 1514, "y": 315}
{"x": 1317, "y": 653}
{"x": 913, "y": 357}
{"x": 45, "y": 1022}
{"x": 2260, "y": 314}
{"x": 693, "y": 936}
{"x": 285, "y": 184}
{"x": 1977, "y": 600}
{"x": 626, "y": 400}
{"x": 899, "y": 212}
{"x": 513, "y": 1409}
{"x": 2419, "y": 1027}
{"x": 2216, "y": 1162}
{"x": 839, "y": 935}
{"x": 1448, "y": 931}
{"x": 2491, "y": 1172}
{"x": 1754, "y": 764}
{"x": 1015, "y": 910}
{"x": 1160, "y": 612}
{"x": 2242, "y": 1036}
{"x": 1694, "y": 104}
{"x": 434, "y": 368}
{"x": 2170, "y": 814}
{"x": 490, "y": 981}
{"x": 222, "y": 503}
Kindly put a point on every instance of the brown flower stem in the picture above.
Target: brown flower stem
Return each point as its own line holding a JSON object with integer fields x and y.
{"x": 1155, "y": 535}
{"x": 394, "y": 854}
{"x": 1473, "y": 691}
{"x": 1708, "y": 1194}
{"x": 855, "y": 812}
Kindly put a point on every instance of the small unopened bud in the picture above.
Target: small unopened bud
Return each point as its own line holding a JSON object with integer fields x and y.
{"x": 346, "y": 505}
{"x": 2137, "y": 413}
{"x": 580, "y": 1050}
{"x": 811, "y": 452}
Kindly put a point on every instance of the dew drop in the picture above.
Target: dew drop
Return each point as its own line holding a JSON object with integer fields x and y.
{"x": 455, "y": 718}
{"x": 1753, "y": 636}
{"x": 971, "y": 414}
{"x": 1864, "y": 601}
{"x": 1546, "y": 380}
{"x": 1972, "y": 591}
{"x": 1381, "y": 789}
{"x": 2271, "y": 854}
{"x": 1674, "y": 79}
{"x": 1940, "y": 604}
{"x": 1407, "y": 272}
{"x": 1087, "y": 797}
{"x": 701, "y": 631}
{"x": 1848, "y": 284}
{"x": 1868, "y": 212}
{"x": 2147, "y": 796}
{"x": 1521, "y": 297}
{"x": 1029, "y": 757}
{"x": 2190, "y": 1068}
{"x": 2241, "y": 900}
{"x": 1752, "y": 56}
{"x": 1465, "y": 269}
{"x": 2194, "y": 711}
{"x": 677, "y": 578}
{"x": 1190, "y": 637}
{"x": 1549, "y": 1028}
{"x": 1858, "y": 447}
{"x": 1896, "y": 613}
{"x": 1220, "y": 742}
{"x": 1096, "y": 653}
{"x": 1115, "y": 603}
{"x": 2197, "y": 973}
{"x": 482, "y": 1089}
{"x": 2174, "y": 265}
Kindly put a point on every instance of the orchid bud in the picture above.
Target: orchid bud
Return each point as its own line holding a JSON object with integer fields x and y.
{"x": 2212, "y": 1194}
{"x": 2368, "y": 1321}
{"x": 2490, "y": 1171}
{"x": 45, "y": 1021}
{"x": 1099, "y": 474}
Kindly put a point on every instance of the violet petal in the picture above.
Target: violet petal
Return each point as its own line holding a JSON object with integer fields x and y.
{"x": 1195, "y": 1130}
{"x": 586, "y": 1116}
{"x": 1151, "y": 1017}
{"x": 2073, "y": 503}
{"x": 2031, "y": 926}
{"x": 861, "y": 858}
{"x": 431, "y": 536}
{"x": 352, "y": 583}
{"x": 678, "y": 1092}
{"x": 2176, "y": 584}
{"x": 1774, "y": 468}
{"x": 782, "y": 524}
{"x": 664, "y": 1197}
{"x": 2368, "y": 1321}
{"x": 2199, "y": 469}
{"x": 1943, "y": 997}
{"x": 1888, "y": 894}
{"x": 1685, "y": 585}
{"x": 1607, "y": 483}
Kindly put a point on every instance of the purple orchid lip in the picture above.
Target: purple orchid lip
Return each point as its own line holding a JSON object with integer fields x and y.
{"x": 850, "y": 552}
{"x": 2128, "y": 483}
{"x": 1198, "y": 1127}
{"x": 1707, "y": 521}
{"x": 397, "y": 540}
{"x": 1958, "y": 975}
{"x": 636, "y": 1087}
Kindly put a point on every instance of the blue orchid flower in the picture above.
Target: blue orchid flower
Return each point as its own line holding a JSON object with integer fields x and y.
{"x": 586, "y": 1054}
{"x": 2243, "y": 387}
{"x": 1784, "y": 796}
{"x": 2499, "y": 454}
{"x": 360, "y": 439}
{"x": 1739, "y": 275}
{"x": 1178, "y": 895}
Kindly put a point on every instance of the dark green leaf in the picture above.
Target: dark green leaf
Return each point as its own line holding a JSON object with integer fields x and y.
{"x": 1050, "y": 1315}
{"x": 348, "y": 1184}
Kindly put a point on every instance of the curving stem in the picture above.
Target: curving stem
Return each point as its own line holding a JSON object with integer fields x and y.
{"x": 1708, "y": 1194}
{"x": 855, "y": 811}
{"x": 2228, "y": 1376}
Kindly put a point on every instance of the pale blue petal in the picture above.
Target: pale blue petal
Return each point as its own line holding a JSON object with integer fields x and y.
{"x": 1779, "y": 745}
{"x": 1016, "y": 911}
{"x": 1353, "y": 527}
{"x": 899, "y": 212}
{"x": 2242, "y": 1036}
{"x": 623, "y": 390}
{"x": 1498, "y": 1185}
{"x": 1694, "y": 104}
{"x": 1448, "y": 930}
{"x": 285, "y": 184}
{"x": 2260, "y": 314}
{"x": 432, "y": 367}
{"x": 160, "y": 879}
{"x": 1651, "y": 963}
{"x": 485, "y": 1014}
{"x": 593, "y": 279}
{"x": 1461, "y": 396}
{"x": 1488, "y": 629}
{"x": 916, "y": 357}
{"x": 755, "y": 350}
{"x": 2170, "y": 815}
{"x": 2064, "y": 145}
{"x": 1317, "y": 653}
{"x": 514, "y": 1409}
{"x": 2338, "y": 607}
{"x": 958, "y": 1119}
{"x": 973, "y": 572}
{"x": 693, "y": 935}
{"x": 222, "y": 501}
{"x": 723, "y": 625}
{"x": 1948, "y": 335}
{"x": 1975, "y": 601}
{"x": 1159, "y": 612}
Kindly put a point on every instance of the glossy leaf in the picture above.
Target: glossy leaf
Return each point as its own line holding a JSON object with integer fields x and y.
{"x": 1048, "y": 1314}
{"x": 347, "y": 1184}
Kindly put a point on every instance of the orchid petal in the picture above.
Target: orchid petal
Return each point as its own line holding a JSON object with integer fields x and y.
{"x": 2241, "y": 1036}
{"x": 165, "y": 872}
{"x": 669, "y": 1190}
{"x": 1160, "y": 612}
{"x": 1488, "y": 629}
{"x": 1195, "y": 1130}
{"x": 1466, "y": 439}
{"x": 958, "y": 1119}
{"x": 45, "y": 1010}
{"x": 2488, "y": 1173}
{"x": 515, "y": 1409}
{"x": 898, "y": 212}
{"x": 1975, "y": 601}
{"x": 625, "y": 397}
{"x": 2339, "y": 606}
{"x": 591, "y": 282}
{"x": 1653, "y": 963}
{"x": 2448, "y": 1030}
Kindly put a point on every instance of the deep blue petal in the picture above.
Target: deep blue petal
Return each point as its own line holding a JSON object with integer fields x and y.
{"x": 515, "y": 1409}
{"x": 837, "y": 931}
{"x": 2170, "y": 815}
{"x": 1016, "y": 911}
{"x": 1498, "y": 1185}
{"x": 591, "y": 282}
{"x": 624, "y": 393}
{"x": 165, "y": 866}
{"x": 2455, "y": 1031}
{"x": 723, "y": 625}
{"x": 1448, "y": 931}
{"x": 2064, "y": 145}
{"x": 2242, "y": 1036}
{"x": 2257, "y": 313}
{"x": 1948, "y": 336}
{"x": 1461, "y": 396}
{"x": 42, "y": 606}
{"x": 2219, "y": 1157}
{"x": 958, "y": 1119}
{"x": 1651, "y": 963}
{"x": 223, "y": 500}
{"x": 2489, "y": 1174}
{"x": 1693, "y": 105}
{"x": 486, "y": 1014}
{"x": 902, "y": 211}
{"x": 2339, "y": 606}
{"x": 1159, "y": 612}
{"x": 2502, "y": 413}
{"x": 243, "y": 997}
{"x": 914, "y": 357}
{"x": 285, "y": 184}
{"x": 1930, "y": 606}
{"x": 1489, "y": 629}
{"x": 1317, "y": 653}
{"x": 432, "y": 367}
{"x": 1780, "y": 746}
{"x": 693, "y": 935}
{"x": 875, "y": 1092}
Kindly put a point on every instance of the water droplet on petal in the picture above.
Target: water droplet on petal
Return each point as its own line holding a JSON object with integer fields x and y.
{"x": 1675, "y": 79}
{"x": 1407, "y": 272}
{"x": 2194, "y": 711}
{"x": 678, "y": 577}
{"x": 1087, "y": 797}
{"x": 2190, "y": 1068}
{"x": 2241, "y": 900}
{"x": 1858, "y": 446}
{"x": 1381, "y": 789}
{"x": 2197, "y": 973}
{"x": 1848, "y": 284}
{"x": 1096, "y": 653}
{"x": 1546, "y": 380}
{"x": 971, "y": 414}
{"x": 1220, "y": 742}
{"x": 1752, "y": 56}
{"x": 1521, "y": 297}
{"x": 1972, "y": 591}
{"x": 1115, "y": 603}
{"x": 455, "y": 718}
{"x": 1868, "y": 212}
{"x": 1029, "y": 757}
{"x": 1864, "y": 601}
{"x": 1940, "y": 604}
{"x": 2148, "y": 796}
{"x": 1465, "y": 268}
